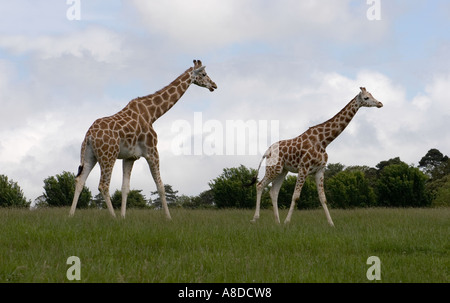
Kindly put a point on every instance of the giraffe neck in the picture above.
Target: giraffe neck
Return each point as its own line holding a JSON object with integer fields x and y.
{"x": 332, "y": 128}
{"x": 158, "y": 103}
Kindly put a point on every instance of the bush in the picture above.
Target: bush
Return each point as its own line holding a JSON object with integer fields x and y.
{"x": 348, "y": 189}
{"x": 400, "y": 185}
{"x": 308, "y": 197}
{"x": 135, "y": 199}
{"x": 59, "y": 191}
{"x": 442, "y": 197}
{"x": 228, "y": 189}
{"x": 10, "y": 194}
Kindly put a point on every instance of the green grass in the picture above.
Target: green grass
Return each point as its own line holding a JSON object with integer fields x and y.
{"x": 223, "y": 246}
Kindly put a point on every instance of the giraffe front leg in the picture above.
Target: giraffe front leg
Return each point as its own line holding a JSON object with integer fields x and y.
{"x": 153, "y": 162}
{"x": 127, "y": 167}
{"x": 322, "y": 197}
{"x": 103, "y": 187}
{"x": 298, "y": 189}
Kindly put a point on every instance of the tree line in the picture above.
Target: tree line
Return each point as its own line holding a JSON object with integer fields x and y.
{"x": 391, "y": 183}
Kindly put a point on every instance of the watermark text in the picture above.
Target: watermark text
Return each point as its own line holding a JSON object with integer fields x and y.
{"x": 232, "y": 138}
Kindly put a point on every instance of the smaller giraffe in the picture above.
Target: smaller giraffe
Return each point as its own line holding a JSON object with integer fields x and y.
{"x": 306, "y": 155}
{"x": 129, "y": 135}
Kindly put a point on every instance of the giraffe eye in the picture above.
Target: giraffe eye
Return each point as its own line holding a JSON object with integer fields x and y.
{"x": 366, "y": 98}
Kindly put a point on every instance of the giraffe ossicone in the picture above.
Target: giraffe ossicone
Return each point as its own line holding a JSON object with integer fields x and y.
{"x": 304, "y": 155}
{"x": 129, "y": 135}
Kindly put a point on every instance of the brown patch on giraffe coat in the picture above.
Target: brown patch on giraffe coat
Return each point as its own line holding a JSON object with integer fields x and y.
{"x": 172, "y": 90}
{"x": 157, "y": 100}
{"x": 164, "y": 107}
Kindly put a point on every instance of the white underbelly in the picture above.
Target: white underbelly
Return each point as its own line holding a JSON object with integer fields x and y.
{"x": 130, "y": 152}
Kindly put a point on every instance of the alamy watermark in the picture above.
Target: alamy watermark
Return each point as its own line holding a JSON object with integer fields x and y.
{"x": 232, "y": 138}
{"x": 374, "y": 271}
{"x": 74, "y": 10}
{"x": 74, "y": 271}
{"x": 374, "y": 11}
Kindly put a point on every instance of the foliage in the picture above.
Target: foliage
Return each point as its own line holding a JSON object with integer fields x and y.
{"x": 392, "y": 161}
{"x": 135, "y": 199}
{"x": 204, "y": 200}
{"x": 402, "y": 185}
{"x": 442, "y": 195}
{"x": 228, "y": 189}
{"x": 10, "y": 194}
{"x": 333, "y": 169}
{"x": 308, "y": 197}
{"x": 437, "y": 167}
{"x": 59, "y": 191}
{"x": 171, "y": 196}
{"x": 435, "y": 164}
{"x": 348, "y": 189}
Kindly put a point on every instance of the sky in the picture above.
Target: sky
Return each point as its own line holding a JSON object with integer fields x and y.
{"x": 280, "y": 66}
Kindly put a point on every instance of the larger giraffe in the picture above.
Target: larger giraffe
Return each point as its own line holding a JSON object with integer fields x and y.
{"x": 306, "y": 155}
{"x": 129, "y": 135}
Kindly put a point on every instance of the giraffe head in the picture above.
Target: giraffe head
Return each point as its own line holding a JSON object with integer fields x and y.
{"x": 201, "y": 78}
{"x": 367, "y": 100}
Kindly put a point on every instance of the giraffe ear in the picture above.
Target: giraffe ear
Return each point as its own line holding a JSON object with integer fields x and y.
{"x": 199, "y": 69}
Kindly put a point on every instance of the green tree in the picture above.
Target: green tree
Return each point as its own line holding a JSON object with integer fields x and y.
{"x": 437, "y": 167}
{"x": 435, "y": 164}
{"x": 59, "y": 191}
{"x": 309, "y": 197}
{"x": 400, "y": 185}
{"x": 332, "y": 169}
{"x": 11, "y": 195}
{"x": 135, "y": 199}
{"x": 442, "y": 195}
{"x": 228, "y": 189}
{"x": 350, "y": 188}
{"x": 392, "y": 161}
{"x": 98, "y": 201}
{"x": 204, "y": 200}
{"x": 171, "y": 196}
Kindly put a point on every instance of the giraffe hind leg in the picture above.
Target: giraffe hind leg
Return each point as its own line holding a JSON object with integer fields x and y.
{"x": 83, "y": 173}
{"x": 322, "y": 197}
{"x": 127, "y": 167}
{"x": 276, "y": 186}
{"x": 153, "y": 163}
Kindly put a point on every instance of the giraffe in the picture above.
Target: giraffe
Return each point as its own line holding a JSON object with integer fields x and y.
{"x": 129, "y": 135}
{"x": 306, "y": 155}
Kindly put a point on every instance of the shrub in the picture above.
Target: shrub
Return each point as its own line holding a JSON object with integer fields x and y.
{"x": 10, "y": 194}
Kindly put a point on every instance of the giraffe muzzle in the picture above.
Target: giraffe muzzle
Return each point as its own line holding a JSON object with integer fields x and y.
{"x": 213, "y": 87}
{"x": 379, "y": 104}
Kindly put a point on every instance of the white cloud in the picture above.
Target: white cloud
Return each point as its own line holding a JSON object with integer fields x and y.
{"x": 103, "y": 45}
{"x": 211, "y": 24}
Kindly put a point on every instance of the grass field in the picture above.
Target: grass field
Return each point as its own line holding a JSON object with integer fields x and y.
{"x": 223, "y": 246}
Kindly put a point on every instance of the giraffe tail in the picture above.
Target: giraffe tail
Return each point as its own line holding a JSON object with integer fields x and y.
{"x": 255, "y": 177}
{"x": 80, "y": 170}
{"x": 83, "y": 150}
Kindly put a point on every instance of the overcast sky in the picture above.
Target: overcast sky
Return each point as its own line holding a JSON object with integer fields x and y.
{"x": 280, "y": 66}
